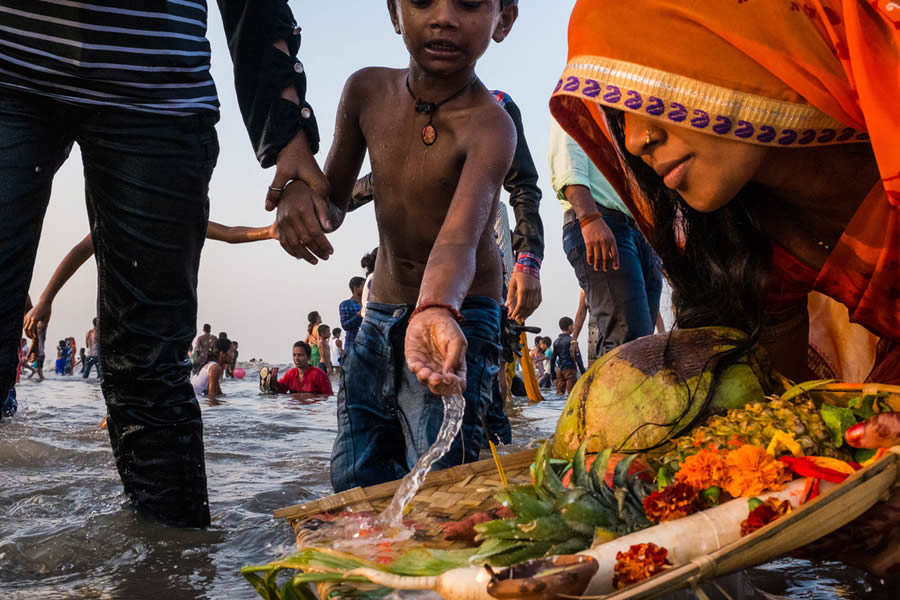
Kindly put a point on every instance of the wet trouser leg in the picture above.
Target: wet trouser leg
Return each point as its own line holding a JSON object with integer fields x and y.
{"x": 34, "y": 142}
{"x": 146, "y": 182}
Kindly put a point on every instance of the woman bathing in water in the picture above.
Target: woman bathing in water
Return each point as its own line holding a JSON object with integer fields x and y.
{"x": 760, "y": 151}
{"x": 208, "y": 382}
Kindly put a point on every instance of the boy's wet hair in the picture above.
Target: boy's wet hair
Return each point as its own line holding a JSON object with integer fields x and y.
{"x": 323, "y": 328}
{"x": 337, "y": 331}
{"x": 565, "y": 323}
{"x": 207, "y": 327}
{"x": 356, "y": 282}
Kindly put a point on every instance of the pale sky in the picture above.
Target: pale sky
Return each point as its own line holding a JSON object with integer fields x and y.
{"x": 256, "y": 292}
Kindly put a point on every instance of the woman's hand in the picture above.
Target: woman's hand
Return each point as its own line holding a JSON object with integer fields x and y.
{"x": 40, "y": 313}
{"x": 878, "y": 431}
{"x": 436, "y": 351}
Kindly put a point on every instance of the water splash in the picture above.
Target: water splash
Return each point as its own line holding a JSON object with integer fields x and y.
{"x": 454, "y": 407}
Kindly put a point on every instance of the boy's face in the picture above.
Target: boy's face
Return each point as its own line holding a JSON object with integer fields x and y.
{"x": 446, "y": 36}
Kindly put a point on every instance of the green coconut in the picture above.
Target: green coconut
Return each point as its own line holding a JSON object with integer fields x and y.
{"x": 650, "y": 389}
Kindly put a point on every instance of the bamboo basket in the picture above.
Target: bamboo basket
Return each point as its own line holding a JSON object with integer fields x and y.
{"x": 456, "y": 493}
{"x": 803, "y": 525}
{"x": 448, "y": 495}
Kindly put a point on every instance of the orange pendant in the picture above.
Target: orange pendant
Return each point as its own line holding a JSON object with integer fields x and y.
{"x": 429, "y": 134}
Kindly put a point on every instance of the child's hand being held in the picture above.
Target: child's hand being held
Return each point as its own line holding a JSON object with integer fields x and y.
{"x": 436, "y": 351}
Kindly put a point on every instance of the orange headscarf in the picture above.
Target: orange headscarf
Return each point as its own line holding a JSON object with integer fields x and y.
{"x": 783, "y": 73}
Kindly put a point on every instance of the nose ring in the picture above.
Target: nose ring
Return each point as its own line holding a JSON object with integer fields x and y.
{"x": 648, "y": 139}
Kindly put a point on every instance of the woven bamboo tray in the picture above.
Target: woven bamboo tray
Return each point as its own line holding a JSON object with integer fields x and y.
{"x": 448, "y": 495}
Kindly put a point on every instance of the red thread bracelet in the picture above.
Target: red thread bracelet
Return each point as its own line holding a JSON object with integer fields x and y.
{"x": 457, "y": 316}
{"x": 589, "y": 219}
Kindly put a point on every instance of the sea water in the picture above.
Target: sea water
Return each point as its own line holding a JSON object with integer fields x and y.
{"x": 66, "y": 531}
{"x": 454, "y": 408}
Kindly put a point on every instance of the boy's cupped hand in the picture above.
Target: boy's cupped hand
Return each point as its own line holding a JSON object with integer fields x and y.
{"x": 436, "y": 351}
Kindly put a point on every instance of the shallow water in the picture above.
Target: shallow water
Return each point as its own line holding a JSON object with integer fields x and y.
{"x": 66, "y": 531}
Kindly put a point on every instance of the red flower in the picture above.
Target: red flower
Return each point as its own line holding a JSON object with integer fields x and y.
{"x": 673, "y": 502}
{"x": 764, "y": 514}
{"x": 640, "y": 562}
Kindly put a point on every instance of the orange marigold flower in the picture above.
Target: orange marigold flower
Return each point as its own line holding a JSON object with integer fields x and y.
{"x": 702, "y": 470}
{"x": 764, "y": 514}
{"x": 673, "y": 502}
{"x": 752, "y": 471}
{"x": 640, "y": 562}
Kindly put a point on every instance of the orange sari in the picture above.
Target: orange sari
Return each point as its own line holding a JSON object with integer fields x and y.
{"x": 783, "y": 73}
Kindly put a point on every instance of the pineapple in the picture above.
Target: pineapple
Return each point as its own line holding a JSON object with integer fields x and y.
{"x": 756, "y": 424}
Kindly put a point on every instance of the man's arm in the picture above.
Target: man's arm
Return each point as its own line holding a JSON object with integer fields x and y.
{"x": 435, "y": 345}
{"x": 215, "y": 377}
{"x": 599, "y": 241}
{"x": 263, "y": 40}
{"x": 350, "y": 319}
{"x": 302, "y": 219}
{"x": 524, "y": 293}
{"x": 553, "y": 359}
{"x": 580, "y": 317}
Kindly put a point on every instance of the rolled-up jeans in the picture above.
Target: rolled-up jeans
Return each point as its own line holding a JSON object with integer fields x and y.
{"x": 386, "y": 418}
{"x": 146, "y": 186}
{"x": 623, "y": 303}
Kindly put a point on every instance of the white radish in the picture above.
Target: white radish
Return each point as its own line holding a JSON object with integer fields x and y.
{"x": 687, "y": 538}
{"x": 467, "y": 583}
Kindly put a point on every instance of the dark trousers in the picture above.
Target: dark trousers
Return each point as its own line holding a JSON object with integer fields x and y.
{"x": 146, "y": 184}
{"x": 90, "y": 361}
{"x": 623, "y": 303}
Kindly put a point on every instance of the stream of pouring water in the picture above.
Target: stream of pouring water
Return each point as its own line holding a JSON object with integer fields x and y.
{"x": 454, "y": 407}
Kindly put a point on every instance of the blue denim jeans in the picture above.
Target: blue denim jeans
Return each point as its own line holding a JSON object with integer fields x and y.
{"x": 623, "y": 303}
{"x": 386, "y": 418}
{"x": 146, "y": 183}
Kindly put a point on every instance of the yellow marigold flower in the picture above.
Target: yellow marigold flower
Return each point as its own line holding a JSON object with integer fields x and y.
{"x": 752, "y": 471}
{"x": 702, "y": 470}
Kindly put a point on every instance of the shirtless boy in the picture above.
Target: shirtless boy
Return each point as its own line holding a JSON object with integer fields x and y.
{"x": 435, "y": 297}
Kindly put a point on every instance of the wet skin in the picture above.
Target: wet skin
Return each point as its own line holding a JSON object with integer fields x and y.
{"x": 434, "y": 204}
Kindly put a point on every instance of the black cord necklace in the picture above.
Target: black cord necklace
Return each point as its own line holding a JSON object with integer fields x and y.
{"x": 429, "y": 133}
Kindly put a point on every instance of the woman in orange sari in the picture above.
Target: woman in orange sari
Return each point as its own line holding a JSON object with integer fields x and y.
{"x": 757, "y": 146}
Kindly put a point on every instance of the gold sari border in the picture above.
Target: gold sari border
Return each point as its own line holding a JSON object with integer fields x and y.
{"x": 703, "y": 107}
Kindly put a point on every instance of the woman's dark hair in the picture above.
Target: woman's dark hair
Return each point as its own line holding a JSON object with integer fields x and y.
{"x": 368, "y": 261}
{"x": 312, "y": 318}
{"x": 718, "y": 263}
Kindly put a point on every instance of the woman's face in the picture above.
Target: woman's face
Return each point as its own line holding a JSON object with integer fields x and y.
{"x": 706, "y": 171}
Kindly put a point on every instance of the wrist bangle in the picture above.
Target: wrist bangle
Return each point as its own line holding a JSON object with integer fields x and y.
{"x": 589, "y": 219}
{"x": 528, "y": 263}
{"x": 457, "y": 316}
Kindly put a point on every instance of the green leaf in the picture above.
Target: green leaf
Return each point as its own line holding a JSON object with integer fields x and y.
{"x": 861, "y": 455}
{"x": 802, "y": 388}
{"x": 295, "y": 590}
{"x": 753, "y": 503}
{"x": 838, "y": 420}
{"x": 424, "y": 562}
{"x": 712, "y": 495}
{"x": 259, "y": 583}
{"x": 663, "y": 479}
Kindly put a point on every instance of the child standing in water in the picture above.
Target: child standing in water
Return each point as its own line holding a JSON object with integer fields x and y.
{"x": 439, "y": 146}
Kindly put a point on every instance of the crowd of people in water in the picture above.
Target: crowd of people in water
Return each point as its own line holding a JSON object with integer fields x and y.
{"x": 759, "y": 172}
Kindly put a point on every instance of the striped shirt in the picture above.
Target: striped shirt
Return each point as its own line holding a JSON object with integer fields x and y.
{"x": 142, "y": 55}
